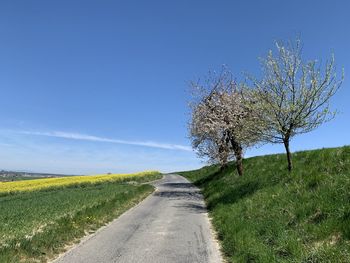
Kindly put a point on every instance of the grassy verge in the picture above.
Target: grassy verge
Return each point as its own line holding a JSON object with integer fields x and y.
{"x": 269, "y": 215}
{"x": 37, "y": 225}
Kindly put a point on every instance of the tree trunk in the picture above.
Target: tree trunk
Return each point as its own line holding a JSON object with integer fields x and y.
{"x": 223, "y": 167}
{"x": 239, "y": 161}
{"x": 289, "y": 155}
{"x": 238, "y": 151}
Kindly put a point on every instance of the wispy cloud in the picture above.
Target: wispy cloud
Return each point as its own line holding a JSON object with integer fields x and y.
{"x": 85, "y": 137}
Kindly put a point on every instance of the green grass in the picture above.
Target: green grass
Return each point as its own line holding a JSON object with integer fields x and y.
{"x": 270, "y": 215}
{"x": 36, "y": 226}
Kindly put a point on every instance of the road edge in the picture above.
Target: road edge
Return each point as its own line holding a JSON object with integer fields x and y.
{"x": 214, "y": 235}
{"x": 88, "y": 236}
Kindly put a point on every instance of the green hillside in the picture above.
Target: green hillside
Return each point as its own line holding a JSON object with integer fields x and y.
{"x": 270, "y": 215}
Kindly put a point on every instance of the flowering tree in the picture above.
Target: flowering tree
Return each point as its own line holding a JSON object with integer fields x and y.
{"x": 221, "y": 123}
{"x": 293, "y": 94}
{"x": 208, "y": 138}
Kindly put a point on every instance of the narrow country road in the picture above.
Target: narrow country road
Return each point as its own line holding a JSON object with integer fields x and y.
{"x": 171, "y": 225}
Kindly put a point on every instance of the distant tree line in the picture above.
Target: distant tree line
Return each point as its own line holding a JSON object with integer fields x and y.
{"x": 291, "y": 97}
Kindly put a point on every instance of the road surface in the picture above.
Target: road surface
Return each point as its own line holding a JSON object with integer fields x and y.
{"x": 171, "y": 225}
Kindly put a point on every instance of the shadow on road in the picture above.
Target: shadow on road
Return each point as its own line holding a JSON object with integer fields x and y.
{"x": 179, "y": 185}
{"x": 186, "y": 192}
{"x": 193, "y": 208}
{"x": 180, "y": 195}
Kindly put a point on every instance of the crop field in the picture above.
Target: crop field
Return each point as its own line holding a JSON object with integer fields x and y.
{"x": 47, "y": 183}
{"x": 39, "y": 222}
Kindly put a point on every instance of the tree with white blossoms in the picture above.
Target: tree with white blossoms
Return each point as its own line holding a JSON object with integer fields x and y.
{"x": 208, "y": 139}
{"x": 221, "y": 123}
{"x": 293, "y": 95}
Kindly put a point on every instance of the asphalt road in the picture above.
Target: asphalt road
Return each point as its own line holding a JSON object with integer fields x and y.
{"x": 171, "y": 225}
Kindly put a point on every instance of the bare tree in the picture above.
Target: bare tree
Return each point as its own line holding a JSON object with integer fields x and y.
{"x": 221, "y": 123}
{"x": 294, "y": 95}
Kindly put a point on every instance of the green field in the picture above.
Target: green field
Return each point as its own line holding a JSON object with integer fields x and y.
{"x": 37, "y": 225}
{"x": 270, "y": 215}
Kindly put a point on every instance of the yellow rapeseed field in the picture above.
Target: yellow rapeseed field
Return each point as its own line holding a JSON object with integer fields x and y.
{"x": 39, "y": 184}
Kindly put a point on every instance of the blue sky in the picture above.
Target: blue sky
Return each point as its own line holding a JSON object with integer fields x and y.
{"x": 101, "y": 86}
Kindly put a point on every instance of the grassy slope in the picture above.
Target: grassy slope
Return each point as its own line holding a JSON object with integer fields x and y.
{"x": 37, "y": 225}
{"x": 269, "y": 215}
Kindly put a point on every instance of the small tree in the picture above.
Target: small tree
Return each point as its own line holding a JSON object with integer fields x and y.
{"x": 221, "y": 125}
{"x": 294, "y": 95}
{"x": 208, "y": 138}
